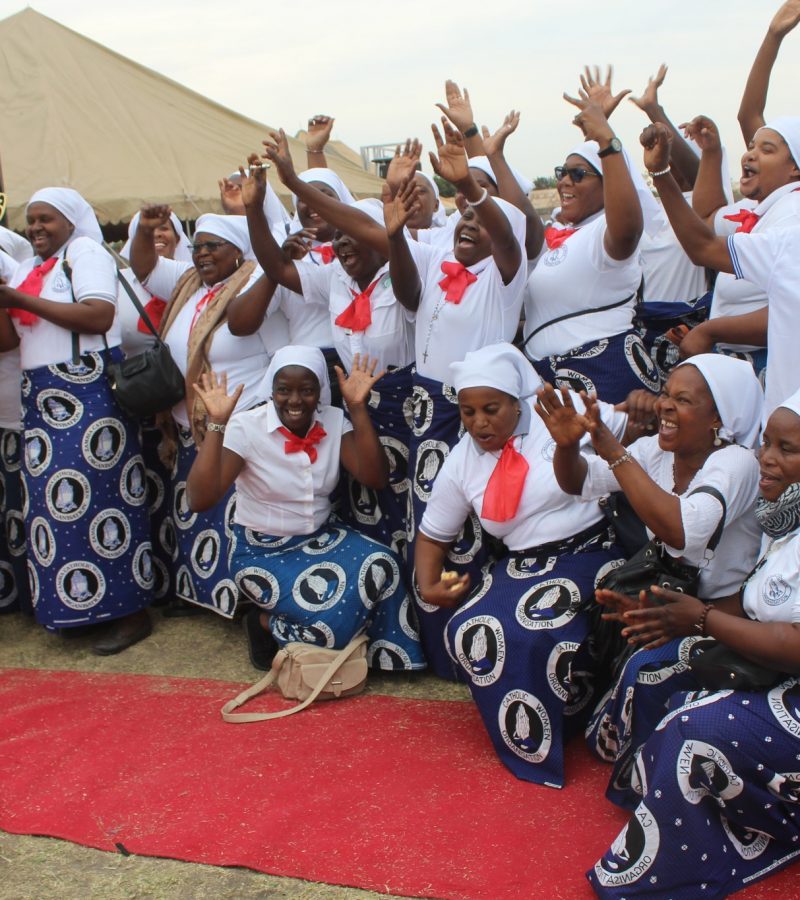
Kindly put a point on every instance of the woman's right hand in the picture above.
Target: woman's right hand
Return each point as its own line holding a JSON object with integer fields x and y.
{"x": 656, "y": 140}
{"x": 704, "y": 132}
{"x": 403, "y": 164}
{"x": 153, "y": 216}
{"x": 458, "y": 108}
{"x": 277, "y": 151}
{"x": 297, "y": 245}
{"x": 213, "y": 391}
{"x": 556, "y": 410}
{"x": 254, "y": 182}
{"x": 448, "y": 591}
{"x": 398, "y": 209}
{"x": 785, "y": 19}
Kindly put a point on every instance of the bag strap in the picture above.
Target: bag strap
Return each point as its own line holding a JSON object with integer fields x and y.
{"x": 76, "y": 346}
{"x": 138, "y": 304}
{"x": 336, "y": 663}
{"x": 716, "y": 537}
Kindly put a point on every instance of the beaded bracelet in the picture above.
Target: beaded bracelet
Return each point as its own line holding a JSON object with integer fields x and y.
{"x": 662, "y": 172}
{"x": 700, "y": 625}
{"x": 626, "y": 457}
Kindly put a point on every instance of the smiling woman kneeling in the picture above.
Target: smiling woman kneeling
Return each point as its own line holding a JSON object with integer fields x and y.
{"x": 311, "y": 578}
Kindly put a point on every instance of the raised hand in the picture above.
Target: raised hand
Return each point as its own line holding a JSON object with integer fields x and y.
{"x": 230, "y": 196}
{"x": 213, "y": 391}
{"x": 297, "y": 245}
{"x": 592, "y": 88}
{"x": 785, "y": 19}
{"x": 458, "y": 109}
{"x": 318, "y": 133}
{"x": 277, "y": 151}
{"x": 704, "y": 133}
{"x": 557, "y": 411}
{"x": 656, "y": 140}
{"x": 154, "y": 215}
{"x": 495, "y": 143}
{"x": 696, "y": 340}
{"x": 404, "y": 163}
{"x": 253, "y": 182}
{"x": 398, "y": 209}
{"x": 604, "y": 441}
{"x": 649, "y": 97}
{"x": 640, "y": 407}
{"x": 591, "y": 119}
{"x": 451, "y": 163}
{"x": 356, "y": 386}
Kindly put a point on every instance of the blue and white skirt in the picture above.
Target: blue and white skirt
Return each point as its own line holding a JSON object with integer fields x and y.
{"x": 382, "y": 514}
{"x": 611, "y": 367}
{"x": 198, "y": 542}
{"x": 656, "y": 317}
{"x": 162, "y": 529}
{"x": 90, "y": 558}
{"x": 519, "y": 640}
{"x": 14, "y": 587}
{"x": 326, "y": 587}
{"x": 718, "y": 785}
{"x": 435, "y": 429}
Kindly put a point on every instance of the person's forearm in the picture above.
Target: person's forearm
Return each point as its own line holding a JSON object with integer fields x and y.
{"x": 754, "y": 98}
{"x": 247, "y": 310}
{"x": 143, "y": 256}
{"x": 702, "y": 246}
{"x": 623, "y": 210}
{"x": 203, "y": 486}
{"x": 749, "y": 328}
{"x": 429, "y": 557}
{"x": 270, "y": 256}
{"x": 406, "y": 284}
{"x": 709, "y": 192}
{"x": 315, "y": 159}
{"x": 509, "y": 190}
{"x": 86, "y": 317}
{"x": 506, "y": 250}
{"x": 372, "y": 467}
{"x": 9, "y": 339}
{"x": 683, "y": 157}
{"x": 772, "y": 644}
{"x": 570, "y": 469}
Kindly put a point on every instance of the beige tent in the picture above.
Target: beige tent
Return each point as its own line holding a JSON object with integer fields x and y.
{"x": 74, "y": 113}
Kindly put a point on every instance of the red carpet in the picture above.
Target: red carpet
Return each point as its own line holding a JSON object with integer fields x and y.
{"x": 393, "y": 795}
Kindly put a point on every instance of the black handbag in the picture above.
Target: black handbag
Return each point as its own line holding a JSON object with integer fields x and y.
{"x": 149, "y": 382}
{"x": 720, "y": 668}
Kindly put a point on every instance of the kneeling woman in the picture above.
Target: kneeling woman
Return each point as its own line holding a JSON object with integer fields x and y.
{"x": 314, "y": 579}
{"x": 518, "y": 635}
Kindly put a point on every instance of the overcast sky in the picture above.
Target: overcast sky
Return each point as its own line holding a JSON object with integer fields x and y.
{"x": 379, "y": 67}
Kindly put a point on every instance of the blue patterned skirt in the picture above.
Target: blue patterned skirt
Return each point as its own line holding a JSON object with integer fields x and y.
{"x": 90, "y": 558}
{"x": 611, "y": 367}
{"x": 519, "y": 639}
{"x": 718, "y": 784}
{"x": 656, "y": 317}
{"x": 14, "y": 587}
{"x": 326, "y": 587}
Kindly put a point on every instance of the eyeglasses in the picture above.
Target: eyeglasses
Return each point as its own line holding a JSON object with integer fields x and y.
{"x": 576, "y": 173}
{"x": 211, "y": 246}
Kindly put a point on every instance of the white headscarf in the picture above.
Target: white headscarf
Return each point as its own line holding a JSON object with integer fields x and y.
{"x": 310, "y": 358}
{"x": 183, "y": 252}
{"x": 440, "y": 213}
{"x": 373, "y": 208}
{"x": 74, "y": 209}
{"x": 323, "y": 176}
{"x": 652, "y": 215}
{"x": 793, "y": 403}
{"x": 737, "y": 395}
{"x": 230, "y": 228}
{"x": 500, "y": 366}
{"x": 482, "y": 163}
{"x": 788, "y": 127}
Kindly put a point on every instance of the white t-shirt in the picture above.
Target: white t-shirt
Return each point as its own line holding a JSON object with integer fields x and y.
{"x": 277, "y": 492}
{"x": 488, "y": 312}
{"x": 245, "y": 359}
{"x": 18, "y": 248}
{"x": 308, "y": 320}
{"x": 669, "y": 274}
{"x": 771, "y": 260}
{"x": 545, "y": 512}
{"x": 579, "y": 275}
{"x": 736, "y": 297}
{"x": 733, "y": 471}
{"x": 10, "y": 372}
{"x": 133, "y": 340}
{"x": 94, "y": 277}
{"x": 773, "y": 593}
{"x": 442, "y": 237}
{"x": 390, "y": 336}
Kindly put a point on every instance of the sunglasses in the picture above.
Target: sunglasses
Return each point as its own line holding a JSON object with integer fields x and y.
{"x": 211, "y": 246}
{"x": 576, "y": 173}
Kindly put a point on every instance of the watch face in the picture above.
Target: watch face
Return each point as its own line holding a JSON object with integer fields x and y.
{"x": 614, "y": 146}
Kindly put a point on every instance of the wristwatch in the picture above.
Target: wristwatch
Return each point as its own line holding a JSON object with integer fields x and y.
{"x": 615, "y": 146}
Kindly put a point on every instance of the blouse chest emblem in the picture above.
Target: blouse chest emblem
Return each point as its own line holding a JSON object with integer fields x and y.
{"x": 776, "y": 591}
{"x": 555, "y": 257}
{"x": 59, "y": 283}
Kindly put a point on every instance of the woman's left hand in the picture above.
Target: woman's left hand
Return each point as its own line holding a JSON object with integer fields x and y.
{"x": 592, "y": 88}
{"x": 451, "y": 163}
{"x": 277, "y": 151}
{"x": 604, "y": 441}
{"x": 656, "y": 140}
{"x": 495, "y": 143}
{"x": 591, "y": 119}
{"x": 356, "y": 387}
{"x": 213, "y": 391}
{"x": 253, "y": 182}
{"x": 674, "y": 615}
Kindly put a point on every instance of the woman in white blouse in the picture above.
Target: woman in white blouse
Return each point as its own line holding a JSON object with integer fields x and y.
{"x": 311, "y": 578}
{"x": 195, "y": 327}
{"x": 709, "y": 415}
{"x": 716, "y": 784}
{"x": 519, "y": 635}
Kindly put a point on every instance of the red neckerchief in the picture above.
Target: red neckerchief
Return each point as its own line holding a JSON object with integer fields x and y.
{"x": 32, "y": 286}
{"x": 504, "y": 488}
{"x": 154, "y": 308}
{"x": 457, "y": 278}
{"x": 555, "y": 237}
{"x": 747, "y": 220}
{"x": 326, "y": 254}
{"x": 358, "y": 315}
{"x": 201, "y": 305}
{"x": 295, "y": 444}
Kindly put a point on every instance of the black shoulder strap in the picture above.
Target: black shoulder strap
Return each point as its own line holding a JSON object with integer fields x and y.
{"x": 76, "y": 347}
{"x": 137, "y": 303}
{"x": 716, "y": 537}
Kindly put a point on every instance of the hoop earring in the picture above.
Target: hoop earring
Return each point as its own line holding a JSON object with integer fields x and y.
{"x": 717, "y": 438}
{"x": 238, "y": 261}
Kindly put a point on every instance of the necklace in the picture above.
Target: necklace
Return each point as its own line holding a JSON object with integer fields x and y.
{"x": 434, "y": 317}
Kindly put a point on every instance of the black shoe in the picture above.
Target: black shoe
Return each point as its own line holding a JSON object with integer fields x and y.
{"x": 261, "y": 645}
{"x": 179, "y": 609}
{"x": 124, "y": 633}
